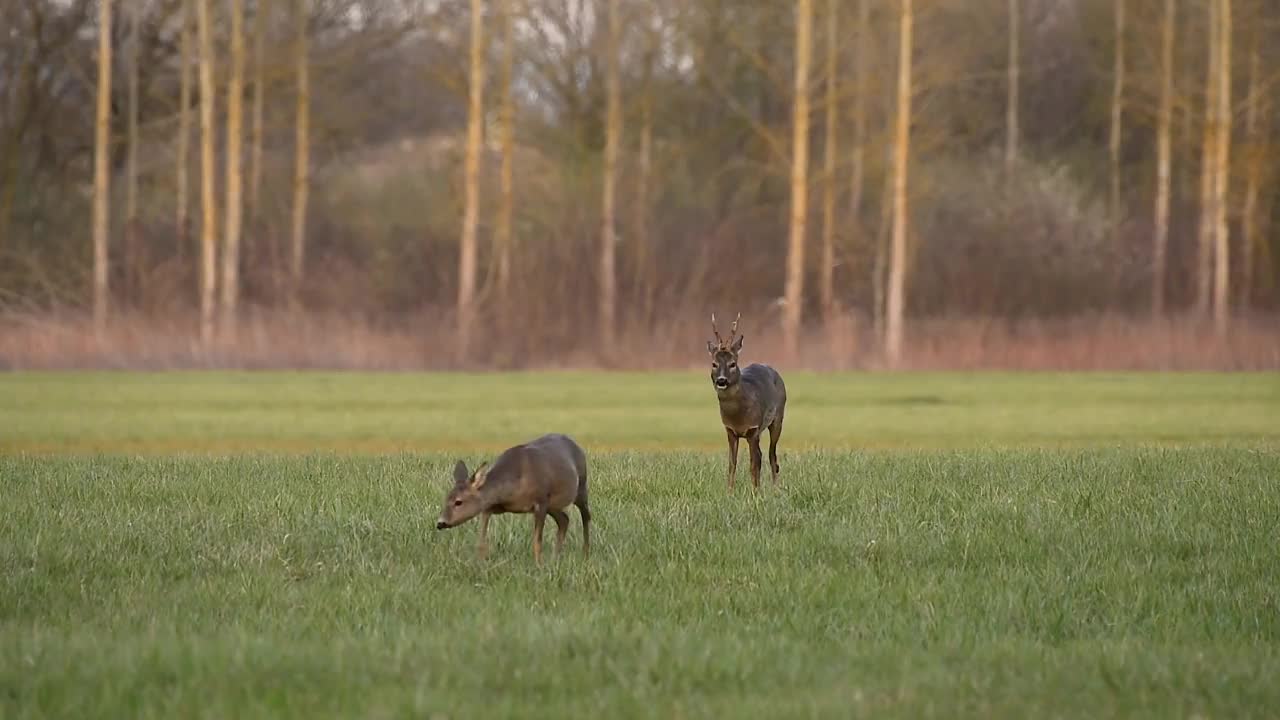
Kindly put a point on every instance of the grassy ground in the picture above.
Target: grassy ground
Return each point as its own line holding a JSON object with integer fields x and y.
{"x": 1085, "y": 546}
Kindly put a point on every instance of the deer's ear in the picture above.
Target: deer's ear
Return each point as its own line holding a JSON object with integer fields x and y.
{"x": 711, "y": 348}
{"x": 737, "y": 344}
{"x": 480, "y": 475}
{"x": 460, "y": 473}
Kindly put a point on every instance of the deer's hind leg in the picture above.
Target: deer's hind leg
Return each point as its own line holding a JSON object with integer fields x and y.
{"x": 753, "y": 442}
{"x": 585, "y": 513}
{"x": 562, "y": 527}
{"x": 775, "y": 434}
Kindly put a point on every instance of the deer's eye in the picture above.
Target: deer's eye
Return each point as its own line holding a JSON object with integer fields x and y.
{"x": 457, "y": 503}
{"x": 733, "y": 366}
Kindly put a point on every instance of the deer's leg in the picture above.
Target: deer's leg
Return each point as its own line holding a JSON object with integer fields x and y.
{"x": 585, "y": 513}
{"x": 539, "y": 519}
{"x": 562, "y": 527}
{"x": 753, "y": 441}
{"x": 733, "y": 455}
{"x": 775, "y": 433}
{"x": 482, "y": 547}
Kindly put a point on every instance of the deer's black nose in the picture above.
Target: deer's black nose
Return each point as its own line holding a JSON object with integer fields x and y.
{"x": 722, "y": 382}
{"x": 440, "y": 524}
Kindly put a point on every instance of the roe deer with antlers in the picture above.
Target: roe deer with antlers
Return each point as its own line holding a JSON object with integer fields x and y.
{"x": 751, "y": 399}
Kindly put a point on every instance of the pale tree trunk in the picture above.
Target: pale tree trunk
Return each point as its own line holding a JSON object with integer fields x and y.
{"x": 901, "y": 153}
{"x": 260, "y": 16}
{"x": 208, "y": 204}
{"x": 794, "y": 290}
{"x": 1204, "y": 245}
{"x": 184, "y": 130}
{"x": 471, "y": 207}
{"x": 1011, "y": 104}
{"x": 301, "y": 153}
{"x": 502, "y": 235}
{"x": 879, "y": 281}
{"x": 1257, "y": 129}
{"x": 613, "y": 135}
{"x": 1164, "y": 155}
{"x": 1222, "y": 175}
{"x": 857, "y": 159}
{"x": 102, "y": 170}
{"x": 130, "y": 279}
{"x": 1117, "y": 114}
{"x": 826, "y": 286}
{"x": 234, "y": 151}
{"x": 644, "y": 162}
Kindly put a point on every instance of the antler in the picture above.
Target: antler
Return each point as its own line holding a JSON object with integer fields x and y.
{"x": 716, "y": 332}
{"x": 733, "y": 331}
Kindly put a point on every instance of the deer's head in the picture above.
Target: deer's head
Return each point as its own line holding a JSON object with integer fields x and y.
{"x": 463, "y": 501}
{"x": 724, "y": 356}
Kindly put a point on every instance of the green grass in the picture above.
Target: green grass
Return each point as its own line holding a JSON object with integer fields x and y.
{"x": 1017, "y": 546}
{"x": 296, "y": 412}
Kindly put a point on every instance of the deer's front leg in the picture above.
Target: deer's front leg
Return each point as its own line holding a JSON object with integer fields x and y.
{"x": 482, "y": 547}
{"x": 733, "y": 455}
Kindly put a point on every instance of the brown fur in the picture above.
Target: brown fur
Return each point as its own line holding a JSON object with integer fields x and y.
{"x": 543, "y": 477}
{"x": 751, "y": 399}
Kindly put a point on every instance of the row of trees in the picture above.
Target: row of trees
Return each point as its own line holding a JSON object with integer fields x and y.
{"x": 1040, "y": 157}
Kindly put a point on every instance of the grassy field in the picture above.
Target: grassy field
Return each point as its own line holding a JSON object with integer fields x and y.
{"x": 242, "y": 545}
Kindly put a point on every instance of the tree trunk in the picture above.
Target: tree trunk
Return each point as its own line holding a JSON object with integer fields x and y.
{"x": 1117, "y": 114}
{"x": 260, "y": 16}
{"x": 826, "y": 286}
{"x": 184, "y": 131}
{"x": 613, "y": 135}
{"x": 102, "y": 170}
{"x": 901, "y": 153}
{"x": 208, "y": 204}
{"x": 794, "y": 290}
{"x": 1204, "y": 249}
{"x": 644, "y": 161}
{"x": 502, "y": 236}
{"x": 130, "y": 278}
{"x": 1222, "y": 174}
{"x": 1164, "y": 153}
{"x": 1257, "y": 129}
{"x": 301, "y": 154}
{"x": 234, "y": 151}
{"x": 1011, "y": 105}
{"x": 857, "y": 160}
{"x": 471, "y": 208}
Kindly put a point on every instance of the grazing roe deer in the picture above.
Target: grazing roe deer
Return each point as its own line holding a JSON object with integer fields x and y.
{"x": 751, "y": 399}
{"x": 543, "y": 476}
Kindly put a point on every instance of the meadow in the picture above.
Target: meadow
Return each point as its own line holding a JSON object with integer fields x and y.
{"x": 942, "y": 545}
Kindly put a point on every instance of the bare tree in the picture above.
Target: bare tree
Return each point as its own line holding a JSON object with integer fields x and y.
{"x": 301, "y": 152}
{"x": 1208, "y": 146}
{"x": 235, "y": 201}
{"x": 208, "y": 203}
{"x": 826, "y": 288}
{"x": 1222, "y": 175}
{"x": 794, "y": 289}
{"x": 502, "y": 235}
{"x": 644, "y": 170}
{"x": 184, "y": 128}
{"x": 1011, "y": 104}
{"x": 1257, "y": 130}
{"x": 102, "y": 170}
{"x": 130, "y": 279}
{"x": 260, "y": 16}
{"x": 1164, "y": 155}
{"x": 1117, "y": 114}
{"x": 901, "y": 154}
{"x": 471, "y": 180}
{"x": 857, "y": 160}
{"x": 613, "y": 136}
